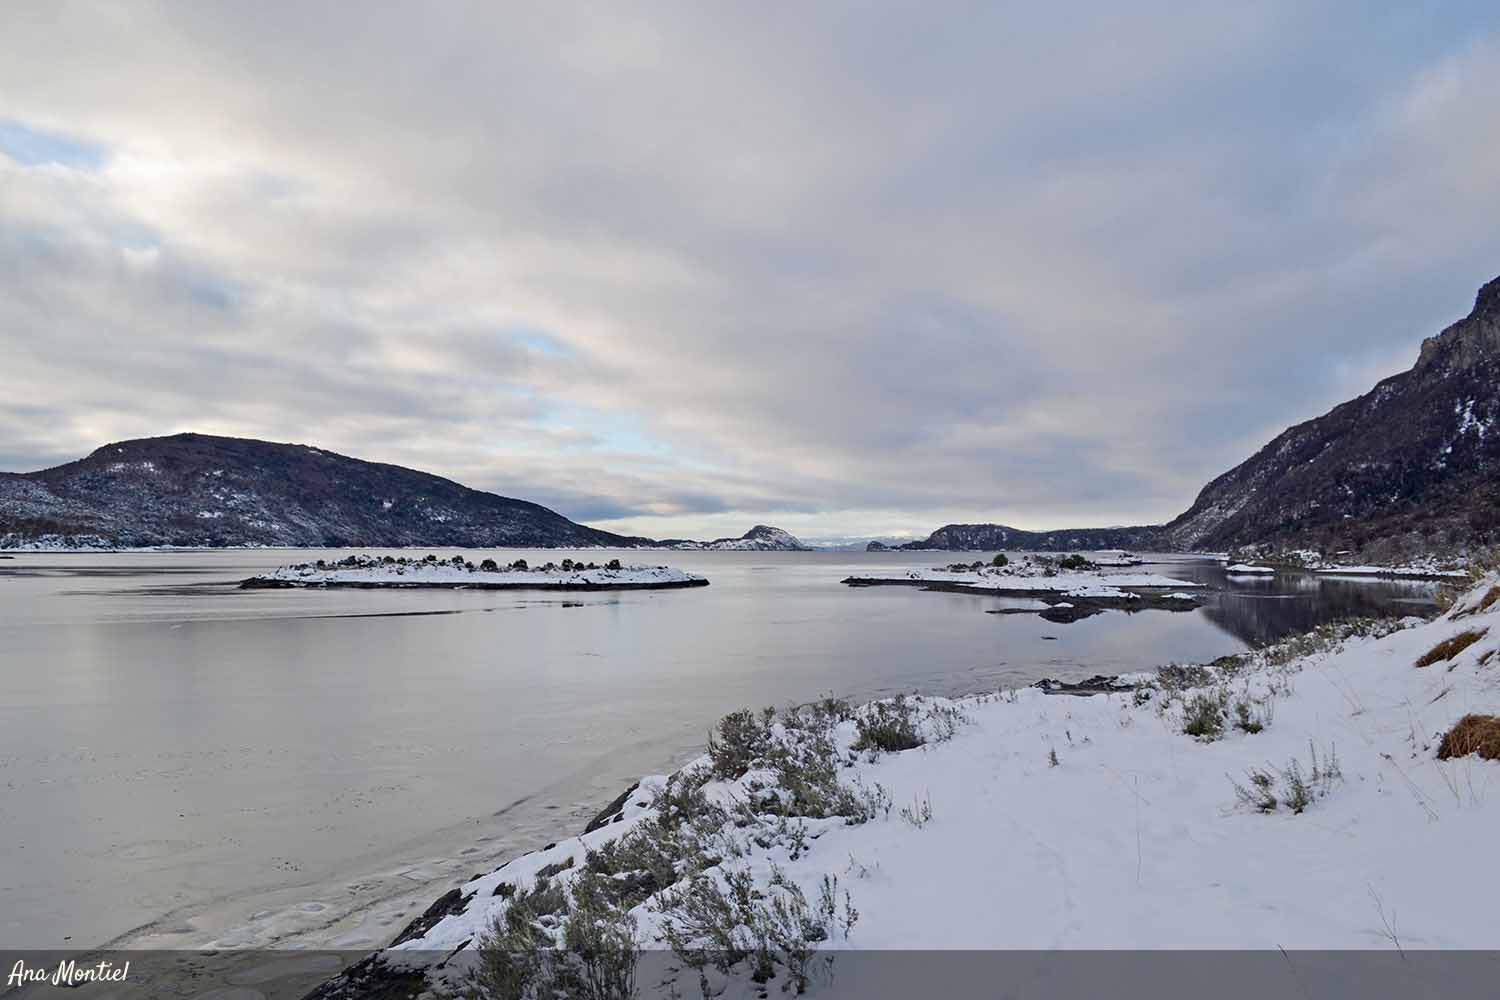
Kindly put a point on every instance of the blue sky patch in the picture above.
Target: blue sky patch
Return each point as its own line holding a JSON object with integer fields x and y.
{"x": 33, "y": 147}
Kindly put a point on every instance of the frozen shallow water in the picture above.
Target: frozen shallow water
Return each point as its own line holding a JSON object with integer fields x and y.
{"x": 186, "y": 763}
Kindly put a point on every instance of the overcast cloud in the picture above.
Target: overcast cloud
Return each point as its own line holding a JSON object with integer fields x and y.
{"x": 843, "y": 268}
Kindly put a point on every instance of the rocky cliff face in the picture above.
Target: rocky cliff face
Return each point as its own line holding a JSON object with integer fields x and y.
{"x": 1408, "y": 468}
{"x": 193, "y": 489}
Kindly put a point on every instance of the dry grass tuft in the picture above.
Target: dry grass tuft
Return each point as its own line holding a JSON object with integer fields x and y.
{"x": 1449, "y": 648}
{"x": 1472, "y": 734}
{"x": 1488, "y": 601}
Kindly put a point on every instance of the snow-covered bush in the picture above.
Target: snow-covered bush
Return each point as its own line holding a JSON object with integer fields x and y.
{"x": 721, "y": 918}
{"x": 519, "y": 958}
{"x": 740, "y": 740}
{"x": 1291, "y": 786}
{"x": 888, "y": 725}
{"x": 1203, "y": 715}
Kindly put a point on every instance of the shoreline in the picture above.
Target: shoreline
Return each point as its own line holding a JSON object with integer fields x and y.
{"x": 1088, "y": 727}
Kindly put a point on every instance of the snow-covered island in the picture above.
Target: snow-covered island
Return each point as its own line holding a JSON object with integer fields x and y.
{"x": 1071, "y": 586}
{"x": 1270, "y": 800}
{"x": 1318, "y": 564}
{"x": 399, "y": 572}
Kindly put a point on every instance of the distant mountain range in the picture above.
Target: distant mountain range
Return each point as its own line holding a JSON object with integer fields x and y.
{"x": 199, "y": 490}
{"x": 1408, "y": 469}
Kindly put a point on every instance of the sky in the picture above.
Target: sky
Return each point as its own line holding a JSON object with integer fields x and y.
{"x": 854, "y": 270}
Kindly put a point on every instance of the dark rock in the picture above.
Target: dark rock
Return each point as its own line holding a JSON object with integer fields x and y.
{"x": 450, "y": 902}
{"x": 1098, "y": 684}
{"x": 611, "y": 811}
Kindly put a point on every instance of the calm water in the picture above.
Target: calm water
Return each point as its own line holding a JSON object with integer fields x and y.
{"x": 185, "y": 763}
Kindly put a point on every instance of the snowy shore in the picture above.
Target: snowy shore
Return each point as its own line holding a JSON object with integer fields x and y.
{"x": 1072, "y": 590}
{"x": 1277, "y": 799}
{"x": 457, "y": 573}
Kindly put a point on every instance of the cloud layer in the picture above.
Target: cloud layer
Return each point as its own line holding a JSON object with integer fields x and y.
{"x": 850, "y": 270}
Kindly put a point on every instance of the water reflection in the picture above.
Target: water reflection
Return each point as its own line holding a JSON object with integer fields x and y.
{"x": 1262, "y": 609}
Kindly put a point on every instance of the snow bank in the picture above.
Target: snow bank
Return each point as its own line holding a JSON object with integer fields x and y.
{"x": 1034, "y": 821}
{"x": 368, "y": 571}
{"x": 1245, "y": 569}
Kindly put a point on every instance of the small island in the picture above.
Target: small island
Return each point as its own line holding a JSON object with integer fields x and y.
{"x": 458, "y": 573}
{"x": 1065, "y": 589}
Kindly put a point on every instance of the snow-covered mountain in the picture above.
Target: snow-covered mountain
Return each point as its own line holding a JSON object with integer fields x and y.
{"x": 761, "y": 538}
{"x": 200, "y": 490}
{"x": 1411, "y": 468}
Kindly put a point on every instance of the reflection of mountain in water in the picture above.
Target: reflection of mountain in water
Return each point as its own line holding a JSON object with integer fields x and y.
{"x": 1262, "y": 611}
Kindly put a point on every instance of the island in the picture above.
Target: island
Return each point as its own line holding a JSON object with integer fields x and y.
{"x": 458, "y": 573}
{"x": 1063, "y": 590}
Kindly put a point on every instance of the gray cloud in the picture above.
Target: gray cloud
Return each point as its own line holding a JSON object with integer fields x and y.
{"x": 849, "y": 268}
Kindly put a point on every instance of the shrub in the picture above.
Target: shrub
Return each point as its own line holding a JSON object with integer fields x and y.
{"x": 489, "y": 566}
{"x": 742, "y": 740}
{"x": 1251, "y": 716}
{"x": 1291, "y": 786}
{"x": 723, "y": 920}
{"x": 888, "y": 725}
{"x": 1073, "y": 561}
{"x": 1203, "y": 717}
{"x": 612, "y": 564}
{"x": 1000, "y": 560}
{"x": 567, "y": 564}
{"x": 919, "y": 813}
{"x": 1472, "y": 734}
{"x": 1451, "y": 647}
{"x": 520, "y": 957}
{"x": 519, "y": 564}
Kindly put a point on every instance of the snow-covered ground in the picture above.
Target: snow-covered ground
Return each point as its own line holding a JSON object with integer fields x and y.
{"x": 457, "y": 572}
{"x": 1026, "y": 820}
{"x": 1246, "y": 569}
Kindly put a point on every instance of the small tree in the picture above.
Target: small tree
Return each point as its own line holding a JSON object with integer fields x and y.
{"x": 489, "y": 566}
{"x": 1000, "y": 560}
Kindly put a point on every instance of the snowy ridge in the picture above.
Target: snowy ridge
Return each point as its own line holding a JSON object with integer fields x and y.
{"x": 1117, "y": 827}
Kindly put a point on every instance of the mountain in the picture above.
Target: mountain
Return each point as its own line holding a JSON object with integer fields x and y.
{"x": 761, "y": 538}
{"x": 993, "y": 537}
{"x": 1409, "y": 469}
{"x": 194, "y": 489}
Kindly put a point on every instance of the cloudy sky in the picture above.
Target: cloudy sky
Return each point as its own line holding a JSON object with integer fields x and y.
{"x": 848, "y": 269}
